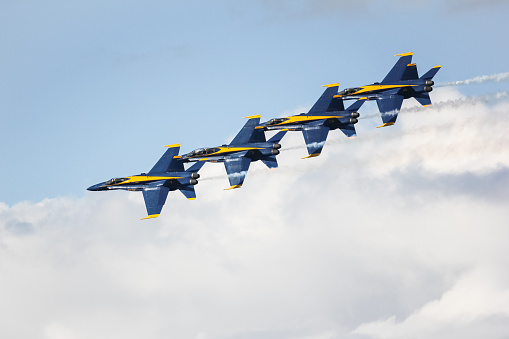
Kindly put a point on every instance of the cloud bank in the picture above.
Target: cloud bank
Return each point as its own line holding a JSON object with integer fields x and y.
{"x": 400, "y": 233}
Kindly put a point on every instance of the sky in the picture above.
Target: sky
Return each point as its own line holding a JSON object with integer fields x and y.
{"x": 399, "y": 233}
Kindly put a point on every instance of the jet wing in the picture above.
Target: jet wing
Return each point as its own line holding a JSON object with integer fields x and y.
{"x": 389, "y": 108}
{"x": 155, "y": 197}
{"x": 397, "y": 71}
{"x": 237, "y": 168}
{"x": 248, "y": 133}
{"x": 166, "y": 163}
{"x": 315, "y": 137}
{"x": 323, "y": 103}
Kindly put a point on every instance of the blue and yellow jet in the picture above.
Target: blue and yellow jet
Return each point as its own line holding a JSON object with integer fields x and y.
{"x": 168, "y": 174}
{"x": 402, "y": 82}
{"x": 325, "y": 115}
{"x": 249, "y": 145}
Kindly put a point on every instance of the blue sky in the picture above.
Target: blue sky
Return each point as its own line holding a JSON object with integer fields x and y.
{"x": 399, "y": 233}
{"x": 93, "y": 90}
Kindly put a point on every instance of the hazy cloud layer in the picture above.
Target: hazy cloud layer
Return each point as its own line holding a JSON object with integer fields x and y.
{"x": 400, "y": 233}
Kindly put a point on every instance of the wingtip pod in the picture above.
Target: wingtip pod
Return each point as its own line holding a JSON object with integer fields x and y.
{"x": 152, "y": 216}
{"x": 233, "y": 187}
{"x": 313, "y": 155}
{"x": 405, "y": 54}
{"x": 331, "y": 85}
{"x": 172, "y": 146}
{"x": 386, "y": 124}
{"x": 253, "y": 116}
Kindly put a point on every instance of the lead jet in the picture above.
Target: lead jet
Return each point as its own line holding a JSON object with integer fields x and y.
{"x": 168, "y": 174}
{"x": 249, "y": 145}
{"x": 325, "y": 115}
{"x": 402, "y": 82}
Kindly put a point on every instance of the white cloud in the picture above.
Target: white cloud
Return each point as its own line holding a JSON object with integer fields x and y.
{"x": 398, "y": 233}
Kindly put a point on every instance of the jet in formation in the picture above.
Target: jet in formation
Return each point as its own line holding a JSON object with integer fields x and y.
{"x": 326, "y": 114}
{"x": 402, "y": 82}
{"x": 168, "y": 174}
{"x": 249, "y": 145}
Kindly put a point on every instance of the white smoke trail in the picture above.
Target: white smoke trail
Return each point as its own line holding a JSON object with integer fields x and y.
{"x": 373, "y": 135}
{"x": 487, "y": 98}
{"x": 438, "y": 106}
{"x": 478, "y": 80}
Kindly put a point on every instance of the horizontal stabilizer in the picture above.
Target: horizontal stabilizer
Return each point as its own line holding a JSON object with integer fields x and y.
{"x": 431, "y": 73}
{"x": 270, "y": 161}
{"x": 356, "y": 105}
{"x": 423, "y": 99}
{"x": 196, "y": 167}
{"x": 276, "y": 138}
{"x": 349, "y": 130}
{"x": 188, "y": 192}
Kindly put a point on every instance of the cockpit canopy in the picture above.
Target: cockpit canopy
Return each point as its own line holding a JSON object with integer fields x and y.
{"x": 202, "y": 152}
{"x": 276, "y": 121}
{"x": 115, "y": 181}
{"x": 349, "y": 91}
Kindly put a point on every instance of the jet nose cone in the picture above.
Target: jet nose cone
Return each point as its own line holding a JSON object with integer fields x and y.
{"x": 96, "y": 187}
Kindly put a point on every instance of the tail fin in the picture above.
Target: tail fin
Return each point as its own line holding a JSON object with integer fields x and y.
{"x": 398, "y": 70}
{"x": 410, "y": 72}
{"x": 247, "y": 134}
{"x": 169, "y": 161}
{"x": 431, "y": 73}
{"x": 324, "y": 101}
{"x": 336, "y": 105}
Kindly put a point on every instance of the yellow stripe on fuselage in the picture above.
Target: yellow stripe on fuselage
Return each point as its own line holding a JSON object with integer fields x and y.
{"x": 373, "y": 88}
{"x": 223, "y": 150}
{"x": 305, "y": 118}
{"x": 143, "y": 178}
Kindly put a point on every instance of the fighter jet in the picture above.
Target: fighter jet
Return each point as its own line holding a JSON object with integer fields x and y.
{"x": 168, "y": 174}
{"x": 402, "y": 82}
{"x": 325, "y": 115}
{"x": 249, "y": 145}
